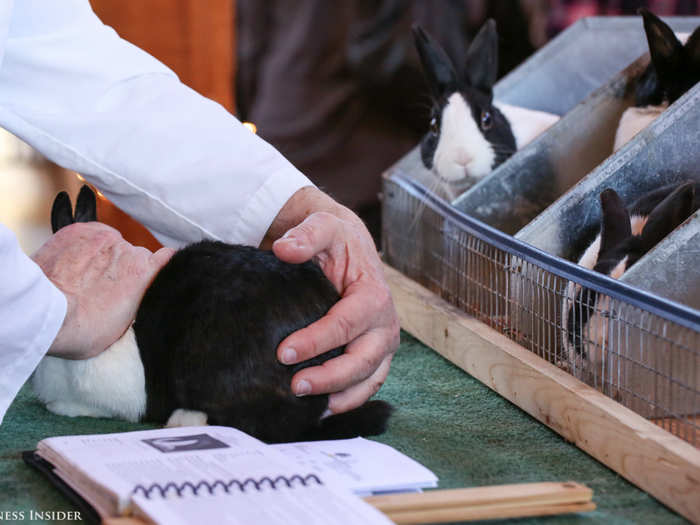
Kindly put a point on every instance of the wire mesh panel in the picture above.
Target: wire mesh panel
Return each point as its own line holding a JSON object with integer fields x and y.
{"x": 636, "y": 348}
{"x": 533, "y": 304}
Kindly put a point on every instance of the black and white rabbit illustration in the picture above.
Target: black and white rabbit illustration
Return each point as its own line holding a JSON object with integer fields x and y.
{"x": 203, "y": 347}
{"x": 470, "y": 134}
{"x": 625, "y": 236}
{"x": 674, "y": 69}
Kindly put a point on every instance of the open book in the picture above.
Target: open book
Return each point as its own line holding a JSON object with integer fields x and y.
{"x": 363, "y": 466}
{"x": 220, "y": 474}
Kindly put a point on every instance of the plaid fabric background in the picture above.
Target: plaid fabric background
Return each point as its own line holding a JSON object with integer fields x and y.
{"x": 565, "y": 12}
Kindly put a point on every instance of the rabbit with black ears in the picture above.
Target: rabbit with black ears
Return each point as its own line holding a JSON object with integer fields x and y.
{"x": 468, "y": 135}
{"x": 674, "y": 69}
{"x": 202, "y": 347}
{"x": 625, "y": 236}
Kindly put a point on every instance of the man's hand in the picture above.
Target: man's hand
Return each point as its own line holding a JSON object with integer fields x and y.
{"x": 364, "y": 319}
{"x": 103, "y": 278}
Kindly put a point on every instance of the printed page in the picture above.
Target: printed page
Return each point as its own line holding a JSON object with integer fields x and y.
{"x": 299, "y": 505}
{"x": 363, "y": 466}
{"x": 123, "y": 461}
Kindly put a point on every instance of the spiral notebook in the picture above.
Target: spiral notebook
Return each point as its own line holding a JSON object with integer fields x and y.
{"x": 199, "y": 474}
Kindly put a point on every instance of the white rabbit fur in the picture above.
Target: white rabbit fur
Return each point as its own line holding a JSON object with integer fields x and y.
{"x": 526, "y": 124}
{"x": 462, "y": 148}
{"x": 633, "y": 121}
{"x": 111, "y": 384}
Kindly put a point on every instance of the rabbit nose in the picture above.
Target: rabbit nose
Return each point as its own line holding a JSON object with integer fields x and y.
{"x": 462, "y": 157}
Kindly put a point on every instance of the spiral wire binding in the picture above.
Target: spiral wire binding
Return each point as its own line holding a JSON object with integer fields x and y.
{"x": 194, "y": 488}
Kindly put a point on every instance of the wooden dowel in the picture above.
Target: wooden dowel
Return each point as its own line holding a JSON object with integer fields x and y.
{"x": 547, "y": 493}
{"x": 498, "y": 501}
{"x": 471, "y": 513}
{"x": 491, "y": 507}
{"x": 123, "y": 521}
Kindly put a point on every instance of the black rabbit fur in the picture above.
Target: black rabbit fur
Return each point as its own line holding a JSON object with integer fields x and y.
{"x": 207, "y": 331}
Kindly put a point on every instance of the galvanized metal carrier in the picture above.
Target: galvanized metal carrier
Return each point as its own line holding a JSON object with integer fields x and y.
{"x": 501, "y": 251}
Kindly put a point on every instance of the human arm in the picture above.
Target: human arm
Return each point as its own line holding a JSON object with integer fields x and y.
{"x": 187, "y": 169}
{"x": 180, "y": 163}
{"x": 174, "y": 160}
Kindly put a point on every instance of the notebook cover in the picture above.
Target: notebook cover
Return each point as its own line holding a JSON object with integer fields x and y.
{"x": 87, "y": 512}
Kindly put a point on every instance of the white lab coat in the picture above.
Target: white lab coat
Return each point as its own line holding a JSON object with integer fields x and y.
{"x": 93, "y": 103}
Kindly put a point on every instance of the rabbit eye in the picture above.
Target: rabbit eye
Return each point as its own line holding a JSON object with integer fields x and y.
{"x": 434, "y": 129}
{"x": 486, "y": 120}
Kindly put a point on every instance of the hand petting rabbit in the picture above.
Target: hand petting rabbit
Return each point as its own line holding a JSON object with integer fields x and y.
{"x": 203, "y": 347}
{"x": 103, "y": 278}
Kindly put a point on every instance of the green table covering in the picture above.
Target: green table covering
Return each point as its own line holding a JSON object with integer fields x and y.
{"x": 457, "y": 427}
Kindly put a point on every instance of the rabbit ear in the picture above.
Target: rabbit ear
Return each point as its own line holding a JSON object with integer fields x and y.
{"x": 482, "y": 58}
{"x": 692, "y": 50}
{"x": 61, "y": 212}
{"x": 615, "y": 223}
{"x": 665, "y": 49}
{"x": 668, "y": 214}
{"x": 436, "y": 64}
{"x": 86, "y": 207}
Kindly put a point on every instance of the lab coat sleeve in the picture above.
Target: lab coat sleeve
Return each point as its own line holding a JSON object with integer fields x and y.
{"x": 174, "y": 160}
{"x": 31, "y": 313}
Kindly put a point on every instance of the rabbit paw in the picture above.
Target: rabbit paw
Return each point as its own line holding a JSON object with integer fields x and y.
{"x": 70, "y": 409}
{"x": 182, "y": 417}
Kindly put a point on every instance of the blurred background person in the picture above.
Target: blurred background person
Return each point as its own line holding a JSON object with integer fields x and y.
{"x": 337, "y": 86}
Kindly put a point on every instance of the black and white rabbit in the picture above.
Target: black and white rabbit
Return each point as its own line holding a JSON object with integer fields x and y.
{"x": 203, "y": 347}
{"x": 625, "y": 236}
{"x": 674, "y": 68}
{"x": 470, "y": 134}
